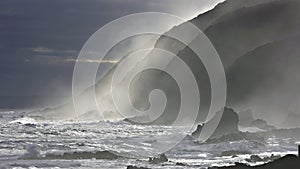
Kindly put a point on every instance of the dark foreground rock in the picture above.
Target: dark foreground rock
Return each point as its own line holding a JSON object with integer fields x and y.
{"x": 85, "y": 155}
{"x": 289, "y": 161}
{"x": 156, "y": 160}
{"x": 181, "y": 164}
{"x": 134, "y": 167}
{"x": 256, "y": 158}
{"x": 234, "y": 153}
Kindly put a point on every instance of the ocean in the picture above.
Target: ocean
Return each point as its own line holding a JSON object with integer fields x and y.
{"x": 27, "y": 143}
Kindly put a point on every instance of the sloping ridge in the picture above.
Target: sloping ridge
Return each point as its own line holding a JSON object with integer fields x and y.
{"x": 234, "y": 27}
{"x": 247, "y": 28}
{"x": 236, "y": 33}
{"x": 267, "y": 79}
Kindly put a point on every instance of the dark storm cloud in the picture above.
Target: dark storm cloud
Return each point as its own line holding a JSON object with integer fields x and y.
{"x": 58, "y": 24}
{"x": 36, "y": 35}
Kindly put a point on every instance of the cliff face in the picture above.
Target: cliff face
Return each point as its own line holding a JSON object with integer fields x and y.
{"x": 258, "y": 46}
{"x": 257, "y": 42}
{"x": 209, "y": 18}
{"x": 267, "y": 80}
{"x": 246, "y": 28}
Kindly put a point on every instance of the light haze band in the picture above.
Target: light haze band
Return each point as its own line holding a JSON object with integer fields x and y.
{"x": 118, "y": 78}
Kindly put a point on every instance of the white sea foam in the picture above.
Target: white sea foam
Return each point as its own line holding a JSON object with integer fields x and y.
{"x": 25, "y": 120}
{"x": 25, "y": 138}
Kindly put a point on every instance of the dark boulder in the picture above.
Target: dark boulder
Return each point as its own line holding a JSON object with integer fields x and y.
{"x": 227, "y": 125}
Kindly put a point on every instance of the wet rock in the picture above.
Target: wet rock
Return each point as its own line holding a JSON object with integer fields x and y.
{"x": 156, "y": 160}
{"x": 234, "y": 152}
{"x": 254, "y": 158}
{"x": 85, "y": 155}
{"x": 30, "y": 125}
{"x": 288, "y": 161}
{"x": 261, "y": 124}
{"x": 180, "y": 164}
{"x": 134, "y": 167}
{"x": 227, "y": 125}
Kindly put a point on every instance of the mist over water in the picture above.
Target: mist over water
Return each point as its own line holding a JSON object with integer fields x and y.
{"x": 149, "y": 90}
{"x": 264, "y": 84}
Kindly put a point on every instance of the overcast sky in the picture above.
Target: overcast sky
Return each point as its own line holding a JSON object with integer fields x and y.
{"x": 39, "y": 38}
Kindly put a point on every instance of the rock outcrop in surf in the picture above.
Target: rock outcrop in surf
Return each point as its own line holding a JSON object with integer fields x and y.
{"x": 288, "y": 161}
{"x": 228, "y": 124}
{"x": 261, "y": 124}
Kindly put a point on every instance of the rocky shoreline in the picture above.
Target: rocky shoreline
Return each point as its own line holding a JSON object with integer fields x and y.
{"x": 288, "y": 161}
